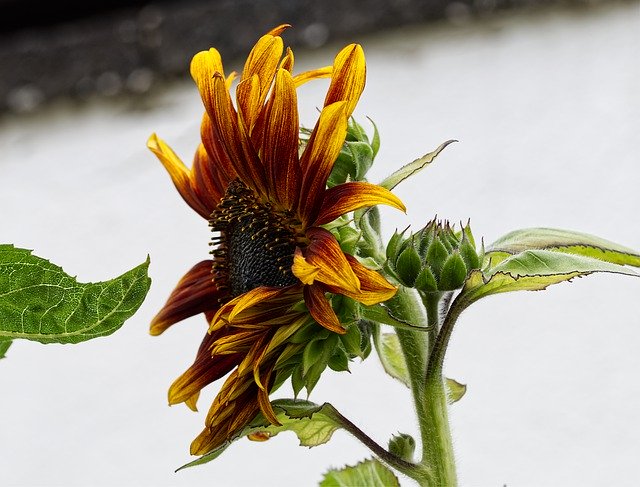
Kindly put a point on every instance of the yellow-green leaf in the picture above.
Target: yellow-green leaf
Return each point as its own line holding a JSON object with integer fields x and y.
{"x": 369, "y": 473}
{"x": 565, "y": 241}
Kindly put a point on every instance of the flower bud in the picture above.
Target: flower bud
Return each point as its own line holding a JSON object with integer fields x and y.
{"x": 436, "y": 258}
{"x": 402, "y": 446}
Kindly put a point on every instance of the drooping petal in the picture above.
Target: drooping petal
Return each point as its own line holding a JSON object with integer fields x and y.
{"x": 204, "y": 370}
{"x": 179, "y": 173}
{"x": 302, "y": 78}
{"x": 280, "y": 141}
{"x": 351, "y": 196}
{"x": 302, "y": 269}
{"x": 324, "y": 253}
{"x": 374, "y": 288}
{"x": 348, "y": 79}
{"x": 245, "y": 301}
{"x": 194, "y": 294}
{"x": 321, "y": 310}
{"x": 318, "y": 158}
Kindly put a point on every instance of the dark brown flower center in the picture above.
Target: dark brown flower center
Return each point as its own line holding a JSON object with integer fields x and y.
{"x": 255, "y": 246}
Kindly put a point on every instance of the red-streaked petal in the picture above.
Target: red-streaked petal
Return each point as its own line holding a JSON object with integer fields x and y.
{"x": 374, "y": 288}
{"x": 245, "y": 301}
{"x": 318, "y": 158}
{"x": 249, "y": 103}
{"x": 348, "y": 78}
{"x": 280, "y": 142}
{"x": 224, "y": 121}
{"x": 204, "y": 370}
{"x": 302, "y": 269}
{"x": 321, "y": 310}
{"x": 179, "y": 173}
{"x": 350, "y": 196}
{"x": 215, "y": 149}
{"x": 209, "y": 182}
{"x": 304, "y": 77}
{"x": 194, "y": 294}
{"x": 325, "y": 254}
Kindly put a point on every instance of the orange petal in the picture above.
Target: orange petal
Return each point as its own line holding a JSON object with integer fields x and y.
{"x": 318, "y": 158}
{"x": 321, "y": 310}
{"x": 204, "y": 370}
{"x": 302, "y": 269}
{"x": 350, "y": 196}
{"x": 324, "y": 253}
{"x": 249, "y": 299}
{"x": 204, "y": 64}
{"x": 179, "y": 173}
{"x": 374, "y": 288}
{"x": 288, "y": 60}
{"x": 215, "y": 148}
{"x": 194, "y": 294}
{"x": 249, "y": 103}
{"x": 208, "y": 180}
{"x": 280, "y": 141}
{"x": 348, "y": 79}
{"x": 276, "y": 31}
{"x": 302, "y": 78}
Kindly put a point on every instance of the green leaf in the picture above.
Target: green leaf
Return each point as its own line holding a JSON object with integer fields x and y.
{"x": 313, "y": 424}
{"x": 533, "y": 270}
{"x": 5, "y": 343}
{"x": 455, "y": 390}
{"x": 565, "y": 241}
{"x": 370, "y": 473}
{"x": 413, "y": 167}
{"x": 391, "y": 356}
{"x": 39, "y": 301}
{"x": 379, "y": 313}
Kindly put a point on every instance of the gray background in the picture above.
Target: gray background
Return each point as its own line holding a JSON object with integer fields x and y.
{"x": 546, "y": 108}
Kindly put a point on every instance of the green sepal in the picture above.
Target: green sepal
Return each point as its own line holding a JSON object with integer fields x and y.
{"x": 408, "y": 266}
{"x": 339, "y": 361}
{"x": 454, "y": 272}
{"x": 352, "y": 341}
{"x": 436, "y": 256}
{"x": 391, "y": 356}
{"x": 40, "y": 302}
{"x": 426, "y": 281}
{"x": 369, "y": 473}
{"x": 403, "y": 446}
{"x": 348, "y": 238}
{"x": 394, "y": 244}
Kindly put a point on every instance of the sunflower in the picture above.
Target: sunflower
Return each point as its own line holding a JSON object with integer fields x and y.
{"x": 274, "y": 265}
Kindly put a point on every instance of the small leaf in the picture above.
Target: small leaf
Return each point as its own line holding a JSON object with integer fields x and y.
{"x": 413, "y": 167}
{"x": 5, "y": 343}
{"x": 39, "y": 301}
{"x": 391, "y": 356}
{"x": 533, "y": 270}
{"x": 370, "y": 473}
{"x": 313, "y": 424}
{"x": 565, "y": 241}
{"x": 455, "y": 390}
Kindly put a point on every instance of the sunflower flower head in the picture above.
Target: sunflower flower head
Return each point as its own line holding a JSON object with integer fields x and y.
{"x": 279, "y": 269}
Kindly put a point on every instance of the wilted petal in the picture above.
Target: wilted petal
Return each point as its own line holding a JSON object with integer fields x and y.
{"x": 351, "y": 196}
{"x": 204, "y": 370}
{"x": 194, "y": 294}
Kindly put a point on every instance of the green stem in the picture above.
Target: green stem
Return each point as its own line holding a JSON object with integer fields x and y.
{"x": 430, "y": 398}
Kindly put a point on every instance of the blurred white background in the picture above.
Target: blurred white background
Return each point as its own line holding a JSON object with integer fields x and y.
{"x": 547, "y": 111}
